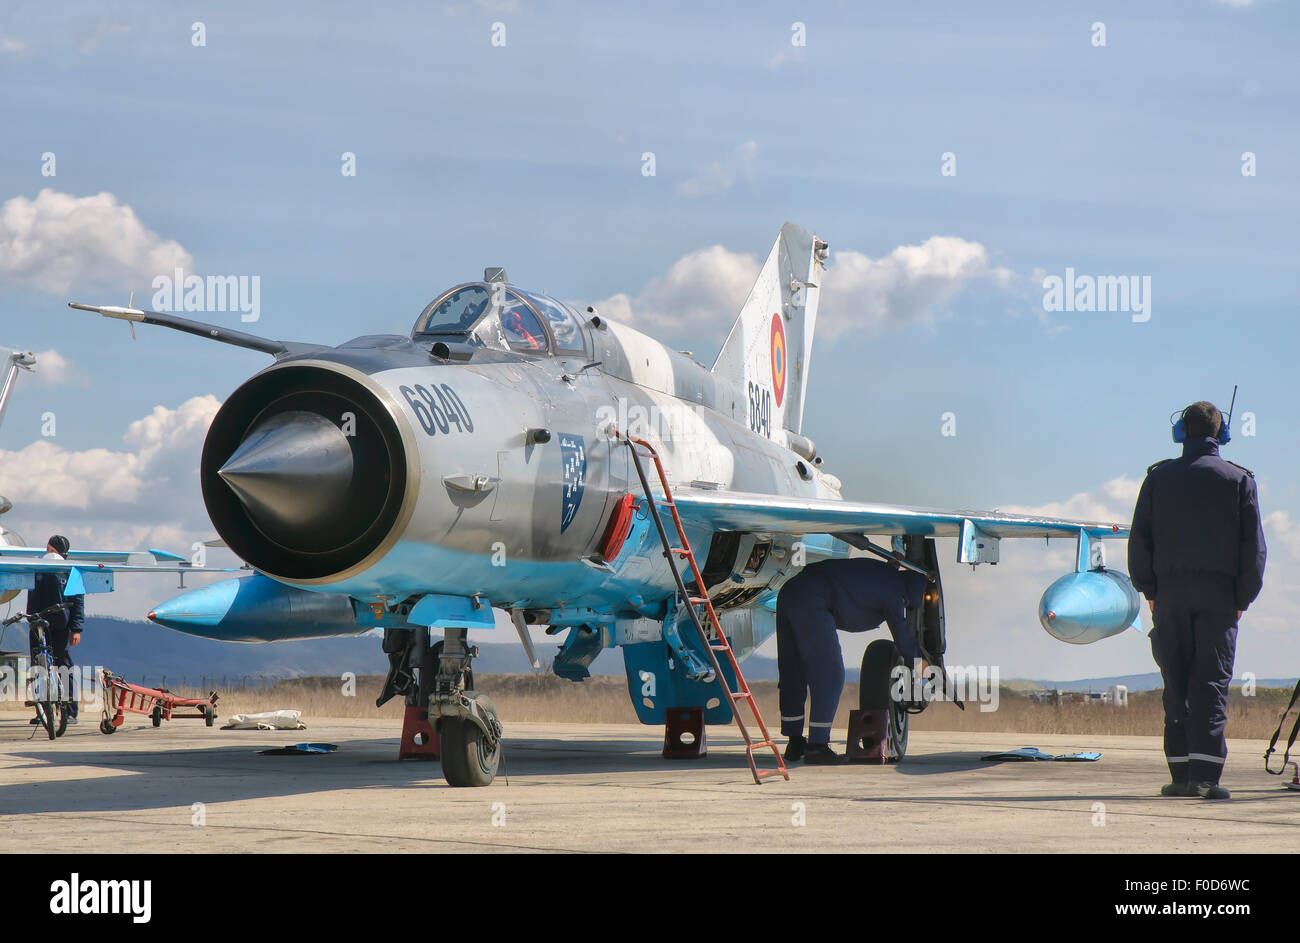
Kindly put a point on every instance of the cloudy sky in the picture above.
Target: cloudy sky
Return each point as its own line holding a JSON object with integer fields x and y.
{"x": 1107, "y": 138}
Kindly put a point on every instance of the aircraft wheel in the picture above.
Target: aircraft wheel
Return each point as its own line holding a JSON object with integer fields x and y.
{"x": 873, "y": 693}
{"x": 466, "y": 758}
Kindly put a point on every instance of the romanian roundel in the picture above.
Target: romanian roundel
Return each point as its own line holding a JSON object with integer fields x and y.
{"x": 778, "y": 359}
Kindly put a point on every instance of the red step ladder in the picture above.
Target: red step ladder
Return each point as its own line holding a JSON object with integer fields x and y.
{"x": 715, "y": 642}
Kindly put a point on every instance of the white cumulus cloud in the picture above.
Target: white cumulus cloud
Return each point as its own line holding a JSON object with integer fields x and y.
{"x": 911, "y": 284}
{"x": 54, "y": 369}
{"x": 702, "y": 290}
{"x": 58, "y": 240}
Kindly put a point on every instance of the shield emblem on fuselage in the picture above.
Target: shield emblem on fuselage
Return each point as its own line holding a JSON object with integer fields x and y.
{"x": 573, "y": 454}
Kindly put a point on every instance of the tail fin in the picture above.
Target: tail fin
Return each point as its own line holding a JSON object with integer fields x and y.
{"x": 766, "y": 355}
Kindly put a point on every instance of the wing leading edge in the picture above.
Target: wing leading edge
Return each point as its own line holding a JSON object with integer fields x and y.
{"x": 733, "y": 510}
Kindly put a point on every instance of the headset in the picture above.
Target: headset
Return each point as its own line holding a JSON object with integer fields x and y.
{"x": 1224, "y": 435}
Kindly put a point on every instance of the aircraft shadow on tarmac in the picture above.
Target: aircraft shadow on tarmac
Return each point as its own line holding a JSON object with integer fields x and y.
{"x": 170, "y": 778}
{"x": 167, "y": 779}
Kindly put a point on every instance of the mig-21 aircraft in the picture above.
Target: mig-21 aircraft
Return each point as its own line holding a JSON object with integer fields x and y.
{"x": 489, "y": 460}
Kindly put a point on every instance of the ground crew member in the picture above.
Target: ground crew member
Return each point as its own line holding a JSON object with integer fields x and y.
{"x": 64, "y": 629}
{"x": 856, "y": 595}
{"x": 1196, "y": 551}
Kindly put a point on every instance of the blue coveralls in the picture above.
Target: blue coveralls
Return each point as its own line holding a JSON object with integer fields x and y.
{"x": 1197, "y": 549}
{"x": 855, "y": 595}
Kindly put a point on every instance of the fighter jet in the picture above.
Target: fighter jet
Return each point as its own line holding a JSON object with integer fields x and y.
{"x": 87, "y": 571}
{"x": 489, "y": 461}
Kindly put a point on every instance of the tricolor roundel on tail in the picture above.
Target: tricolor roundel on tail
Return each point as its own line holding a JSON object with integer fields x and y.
{"x": 778, "y": 360}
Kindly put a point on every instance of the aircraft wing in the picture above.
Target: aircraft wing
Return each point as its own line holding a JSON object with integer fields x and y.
{"x": 733, "y": 510}
{"x": 19, "y": 573}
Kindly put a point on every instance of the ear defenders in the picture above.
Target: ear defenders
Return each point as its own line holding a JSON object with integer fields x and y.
{"x": 1224, "y": 435}
{"x": 1180, "y": 430}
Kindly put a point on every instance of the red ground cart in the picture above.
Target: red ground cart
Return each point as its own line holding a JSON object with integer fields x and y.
{"x": 121, "y": 697}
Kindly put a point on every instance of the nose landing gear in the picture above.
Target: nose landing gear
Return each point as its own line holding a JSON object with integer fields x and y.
{"x": 439, "y": 675}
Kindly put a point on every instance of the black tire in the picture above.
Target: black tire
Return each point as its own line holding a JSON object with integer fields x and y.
{"x": 466, "y": 761}
{"x": 62, "y": 728}
{"x": 45, "y": 709}
{"x": 209, "y": 715}
{"x": 106, "y": 727}
{"x": 45, "y": 717}
{"x": 874, "y": 685}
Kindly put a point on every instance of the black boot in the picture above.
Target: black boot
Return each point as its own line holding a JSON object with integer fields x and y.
{"x": 821, "y": 754}
{"x": 1208, "y": 791}
{"x": 794, "y": 750}
{"x": 1174, "y": 789}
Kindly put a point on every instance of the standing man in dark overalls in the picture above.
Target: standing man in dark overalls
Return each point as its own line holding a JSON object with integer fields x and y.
{"x": 1196, "y": 551}
{"x": 856, "y": 595}
{"x": 64, "y": 629}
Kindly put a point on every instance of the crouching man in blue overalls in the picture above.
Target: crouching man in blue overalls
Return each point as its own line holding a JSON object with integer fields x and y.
{"x": 855, "y": 595}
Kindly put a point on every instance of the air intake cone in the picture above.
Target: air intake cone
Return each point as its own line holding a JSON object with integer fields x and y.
{"x": 292, "y": 473}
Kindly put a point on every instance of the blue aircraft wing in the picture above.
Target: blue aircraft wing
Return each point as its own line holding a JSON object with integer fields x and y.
{"x": 17, "y": 573}
{"x": 733, "y": 510}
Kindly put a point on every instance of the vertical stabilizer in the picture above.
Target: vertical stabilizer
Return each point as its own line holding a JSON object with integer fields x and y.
{"x": 766, "y": 355}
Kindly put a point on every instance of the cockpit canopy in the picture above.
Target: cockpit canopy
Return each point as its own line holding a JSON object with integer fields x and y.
{"x": 496, "y": 315}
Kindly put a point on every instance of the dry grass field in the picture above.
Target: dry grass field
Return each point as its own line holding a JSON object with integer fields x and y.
{"x": 544, "y": 698}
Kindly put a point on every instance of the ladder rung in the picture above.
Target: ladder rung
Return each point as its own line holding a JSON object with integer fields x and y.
{"x": 684, "y": 552}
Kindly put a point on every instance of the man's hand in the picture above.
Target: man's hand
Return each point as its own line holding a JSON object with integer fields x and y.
{"x": 1151, "y": 604}
{"x": 1239, "y": 612}
{"x": 76, "y": 639}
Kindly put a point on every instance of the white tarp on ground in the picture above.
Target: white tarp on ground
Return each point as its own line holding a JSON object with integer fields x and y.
{"x": 266, "y": 720}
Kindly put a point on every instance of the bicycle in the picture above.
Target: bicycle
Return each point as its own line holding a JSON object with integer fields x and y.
{"x": 47, "y": 688}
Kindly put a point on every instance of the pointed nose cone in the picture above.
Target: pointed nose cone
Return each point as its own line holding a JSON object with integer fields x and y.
{"x": 196, "y": 610}
{"x": 292, "y": 472}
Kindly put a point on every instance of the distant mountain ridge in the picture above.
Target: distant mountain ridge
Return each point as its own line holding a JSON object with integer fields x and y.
{"x": 144, "y": 652}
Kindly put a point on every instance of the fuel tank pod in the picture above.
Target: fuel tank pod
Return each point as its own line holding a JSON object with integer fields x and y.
{"x": 1081, "y": 608}
{"x": 257, "y": 609}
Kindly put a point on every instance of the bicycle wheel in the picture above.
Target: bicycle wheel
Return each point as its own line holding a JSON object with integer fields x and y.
{"x": 43, "y": 694}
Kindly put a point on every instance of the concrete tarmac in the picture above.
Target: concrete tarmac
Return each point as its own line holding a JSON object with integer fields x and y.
{"x": 605, "y": 788}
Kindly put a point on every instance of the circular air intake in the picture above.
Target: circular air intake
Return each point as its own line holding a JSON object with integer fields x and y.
{"x": 303, "y": 472}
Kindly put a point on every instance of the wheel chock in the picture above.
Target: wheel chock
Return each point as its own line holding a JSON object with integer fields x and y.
{"x": 419, "y": 740}
{"x": 685, "y": 737}
{"x": 868, "y": 737}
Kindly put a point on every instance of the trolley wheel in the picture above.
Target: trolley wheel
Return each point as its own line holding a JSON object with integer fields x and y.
{"x": 156, "y": 716}
{"x": 209, "y": 715}
{"x": 106, "y": 726}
